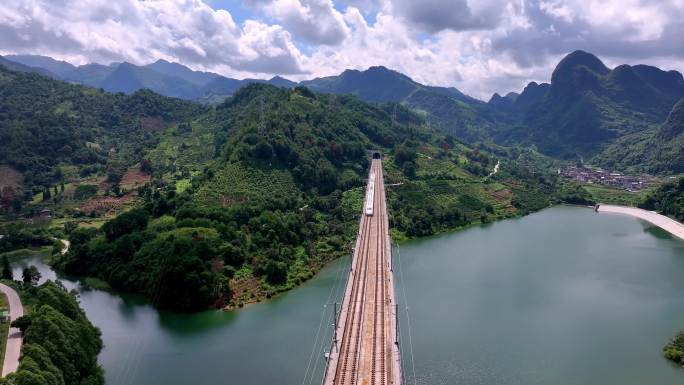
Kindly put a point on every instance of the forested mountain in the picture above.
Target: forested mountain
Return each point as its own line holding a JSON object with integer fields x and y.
{"x": 659, "y": 150}
{"x": 588, "y": 106}
{"x": 447, "y": 108}
{"x": 242, "y": 200}
{"x": 46, "y": 123}
{"x": 279, "y": 193}
{"x": 587, "y": 110}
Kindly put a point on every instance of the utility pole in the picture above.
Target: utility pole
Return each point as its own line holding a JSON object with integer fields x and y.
{"x": 396, "y": 324}
{"x": 335, "y": 323}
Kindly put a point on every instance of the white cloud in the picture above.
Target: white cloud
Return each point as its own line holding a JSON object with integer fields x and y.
{"x": 457, "y": 15}
{"x": 480, "y": 47}
{"x": 315, "y": 21}
{"x": 188, "y": 31}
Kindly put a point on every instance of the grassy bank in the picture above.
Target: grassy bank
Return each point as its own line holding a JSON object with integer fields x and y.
{"x": 4, "y": 328}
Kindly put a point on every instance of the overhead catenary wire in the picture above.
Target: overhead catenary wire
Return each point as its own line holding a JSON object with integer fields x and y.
{"x": 408, "y": 316}
{"x": 333, "y": 289}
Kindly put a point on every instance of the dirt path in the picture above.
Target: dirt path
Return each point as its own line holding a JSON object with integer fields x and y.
{"x": 668, "y": 224}
{"x": 14, "y": 340}
{"x": 66, "y": 244}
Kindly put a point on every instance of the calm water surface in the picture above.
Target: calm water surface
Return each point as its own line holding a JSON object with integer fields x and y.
{"x": 565, "y": 296}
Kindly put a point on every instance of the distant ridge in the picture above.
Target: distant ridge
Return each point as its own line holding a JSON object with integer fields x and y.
{"x": 163, "y": 77}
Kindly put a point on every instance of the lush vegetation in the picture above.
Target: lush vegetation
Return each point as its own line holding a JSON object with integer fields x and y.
{"x": 60, "y": 345}
{"x": 16, "y": 236}
{"x": 48, "y": 127}
{"x": 674, "y": 350}
{"x": 230, "y": 204}
{"x": 263, "y": 190}
{"x": 657, "y": 150}
{"x": 667, "y": 200}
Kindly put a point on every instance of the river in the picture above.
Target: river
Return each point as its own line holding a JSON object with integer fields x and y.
{"x": 563, "y": 296}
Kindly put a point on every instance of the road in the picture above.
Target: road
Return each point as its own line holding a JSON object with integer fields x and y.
{"x": 13, "y": 349}
{"x": 668, "y": 224}
{"x": 364, "y": 349}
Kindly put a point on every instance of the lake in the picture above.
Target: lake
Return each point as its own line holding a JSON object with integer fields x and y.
{"x": 563, "y": 296}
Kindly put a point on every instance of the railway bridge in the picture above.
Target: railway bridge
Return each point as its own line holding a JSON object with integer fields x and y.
{"x": 365, "y": 346}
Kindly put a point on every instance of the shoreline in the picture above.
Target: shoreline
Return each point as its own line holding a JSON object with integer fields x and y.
{"x": 14, "y": 338}
{"x": 666, "y": 223}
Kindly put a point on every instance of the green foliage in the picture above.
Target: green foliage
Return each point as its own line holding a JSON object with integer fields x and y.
{"x": 18, "y": 236}
{"x": 60, "y": 344}
{"x": 30, "y": 275}
{"x": 125, "y": 223}
{"x": 45, "y": 123}
{"x": 668, "y": 199}
{"x": 279, "y": 195}
{"x": 674, "y": 350}
{"x": 575, "y": 194}
{"x": 6, "y": 269}
{"x": 657, "y": 150}
{"x": 85, "y": 191}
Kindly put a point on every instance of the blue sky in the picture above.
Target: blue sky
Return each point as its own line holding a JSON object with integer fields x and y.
{"x": 478, "y": 46}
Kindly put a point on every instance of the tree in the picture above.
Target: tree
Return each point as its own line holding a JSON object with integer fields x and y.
{"x": 146, "y": 166}
{"x": 6, "y": 269}
{"x": 46, "y": 194}
{"x": 69, "y": 227}
{"x": 31, "y": 275}
{"x": 22, "y": 323}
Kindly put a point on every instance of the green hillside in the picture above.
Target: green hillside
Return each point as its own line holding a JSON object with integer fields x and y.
{"x": 657, "y": 150}
{"x": 47, "y": 127}
{"x": 254, "y": 196}
{"x": 589, "y": 108}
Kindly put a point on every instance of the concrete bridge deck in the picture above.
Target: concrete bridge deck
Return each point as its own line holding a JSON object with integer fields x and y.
{"x": 365, "y": 349}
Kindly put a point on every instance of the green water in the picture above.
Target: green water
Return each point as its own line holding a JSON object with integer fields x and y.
{"x": 565, "y": 296}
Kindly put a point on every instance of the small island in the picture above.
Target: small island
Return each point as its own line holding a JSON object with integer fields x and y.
{"x": 674, "y": 350}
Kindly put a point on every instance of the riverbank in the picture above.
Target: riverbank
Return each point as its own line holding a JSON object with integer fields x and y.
{"x": 14, "y": 339}
{"x": 668, "y": 224}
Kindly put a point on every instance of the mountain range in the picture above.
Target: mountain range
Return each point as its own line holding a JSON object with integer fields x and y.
{"x": 162, "y": 77}
{"x": 587, "y": 110}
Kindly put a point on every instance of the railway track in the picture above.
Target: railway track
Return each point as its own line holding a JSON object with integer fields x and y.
{"x": 366, "y": 348}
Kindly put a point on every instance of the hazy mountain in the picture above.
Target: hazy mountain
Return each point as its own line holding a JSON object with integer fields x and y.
{"x": 198, "y": 78}
{"x": 128, "y": 78}
{"x": 90, "y": 74}
{"x": 163, "y": 77}
{"x": 503, "y": 102}
{"x": 376, "y": 84}
{"x": 56, "y": 67}
{"x": 14, "y": 66}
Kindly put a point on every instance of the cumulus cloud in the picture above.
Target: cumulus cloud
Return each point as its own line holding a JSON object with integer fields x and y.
{"x": 457, "y": 15}
{"x": 481, "y": 47}
{"x": 188, "y": 31}
{"x": 315, "y": 21}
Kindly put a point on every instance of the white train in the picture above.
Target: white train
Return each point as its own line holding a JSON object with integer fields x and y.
{"x": 370, "y": 194}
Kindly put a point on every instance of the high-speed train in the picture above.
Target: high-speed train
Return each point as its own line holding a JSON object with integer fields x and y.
{"x": 370, "y": 194}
